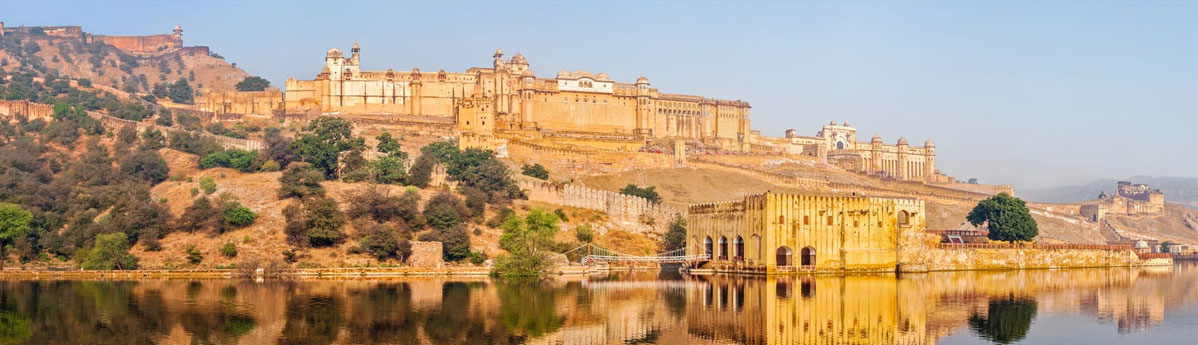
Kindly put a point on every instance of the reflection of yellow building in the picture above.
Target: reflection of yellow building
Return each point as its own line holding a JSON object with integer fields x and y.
{"x": 807, "y": 310}
{"x": 772, "y": 233}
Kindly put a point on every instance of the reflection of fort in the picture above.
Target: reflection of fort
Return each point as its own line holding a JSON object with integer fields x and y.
{"x": 999, "y": 306}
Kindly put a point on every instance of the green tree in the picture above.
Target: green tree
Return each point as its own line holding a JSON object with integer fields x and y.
{"x": 388, "y": 144}
{"x": 194, "y": 256}
{"x": 323, "y": 221}
{"x": 181, "y": 92}
{"x": 111, "y": 251}
{"x": 1167, "y": 246}
{"x": 675, "y": 238}
{"x": 528, "y": 242}
{"x": 388, "y": 170}
{"x": 535, "y": 170}
{"x": 229, "y": 249}
{"x": 238, "y": 216}
{"x": 323, "y": 141}
{"x": 300, "y": 180}
{"x": 14, "y": 223}
{"x": 647, "y": 193}
{"x": 152, "y": 139}
{"x": 381, "y": 240}
{"x": 145, "y": 164}
{"x": 252, "y": 83}
{"x": 208, "y": 184}
{"x": 1006, "y": 216}
{"x": 584, "y": 233}
{"x": 422, "y": 171}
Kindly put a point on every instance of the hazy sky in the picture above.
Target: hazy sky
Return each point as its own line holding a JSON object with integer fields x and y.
{"x": 1034, "y": 93}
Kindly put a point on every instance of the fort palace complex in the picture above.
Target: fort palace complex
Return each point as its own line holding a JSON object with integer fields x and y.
{"x": 508, "y": 99}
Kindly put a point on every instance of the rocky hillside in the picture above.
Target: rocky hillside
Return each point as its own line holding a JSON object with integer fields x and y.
{"x": 105, "y": 65}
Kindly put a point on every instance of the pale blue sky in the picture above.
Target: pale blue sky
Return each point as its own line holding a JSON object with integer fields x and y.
{"x": 1034, "y": 93}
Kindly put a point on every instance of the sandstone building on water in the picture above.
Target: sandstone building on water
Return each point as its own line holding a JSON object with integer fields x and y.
{"x": 775, "y": 233}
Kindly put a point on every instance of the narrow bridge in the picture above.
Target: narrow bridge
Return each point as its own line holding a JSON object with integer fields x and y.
{"x": 590, "y": 254}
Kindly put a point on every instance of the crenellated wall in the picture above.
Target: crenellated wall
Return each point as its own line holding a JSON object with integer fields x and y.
{"x": 11, "y": 110}
{"x": 618, "y": 207}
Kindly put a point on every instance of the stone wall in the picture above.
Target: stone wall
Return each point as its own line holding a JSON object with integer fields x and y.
{"x": 425, "y": 254}
{"x": 114, "y": 123}
{"x": 921, "y": 252}
{"x": 618, "y": 207}
{"x": 11, "y": 110}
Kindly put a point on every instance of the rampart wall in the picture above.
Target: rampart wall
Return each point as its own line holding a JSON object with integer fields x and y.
{"x": 113, "y": 122}
{"x": 618, "y": 207}
{"x": 11, "y": 110}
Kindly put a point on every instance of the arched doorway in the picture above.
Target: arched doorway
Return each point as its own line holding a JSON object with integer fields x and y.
{"x": 807, "y": 256}
{"x": 738, "y": 249}
{"x": 723, "y": 248}
{"x": 707, "y": 247}
{"x": 904, "y": 218}
{"x": 784, "y": 254}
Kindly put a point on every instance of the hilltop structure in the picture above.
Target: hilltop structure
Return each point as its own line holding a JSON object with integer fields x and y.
{"x": 579, "y": 102}
{"x": 1129, "y": 199}
{"x": 142, "y": 44}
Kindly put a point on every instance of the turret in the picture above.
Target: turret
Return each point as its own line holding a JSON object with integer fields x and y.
{"x": 353, "y": 55}
{"x": 644, "y": 108}
{"x": 178, "y": 32}
{"x": 902, "y": 172}
{"x": 929, "y": 158}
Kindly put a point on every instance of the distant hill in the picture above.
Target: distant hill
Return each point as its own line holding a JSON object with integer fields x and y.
{"x": 1182, "y": 190}
{"x": 74, "y": 57}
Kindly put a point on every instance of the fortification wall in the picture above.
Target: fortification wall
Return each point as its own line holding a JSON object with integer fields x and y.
{"x": 922, "y": 252}
{"x": 231, "y": 143}
{"x": 618, "y": 207}
{"x": 141, "y": 44}
{"x": 11, "y": 110}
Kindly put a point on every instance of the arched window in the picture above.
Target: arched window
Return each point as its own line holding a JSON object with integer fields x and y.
{"x": 807, "y": 255}
{"x": 738, "y": 248}
{"x": 840, "y": 145}
{"x": 723, "y": 248}
{"x": 784, "y": 256}
{"x": 707, "y": 248}
{"x": 904, "y": 218}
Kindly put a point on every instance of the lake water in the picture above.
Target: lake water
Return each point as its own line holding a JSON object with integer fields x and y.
{"x": 1084, "y": 306}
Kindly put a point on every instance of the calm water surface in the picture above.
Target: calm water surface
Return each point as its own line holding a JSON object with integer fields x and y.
{"x": 1092, "y": 306}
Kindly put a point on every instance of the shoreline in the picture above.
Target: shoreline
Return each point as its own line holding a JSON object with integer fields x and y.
{"x": 381, "y": 273}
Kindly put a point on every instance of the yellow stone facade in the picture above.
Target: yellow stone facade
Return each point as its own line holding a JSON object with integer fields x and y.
{"x": 776, "y": 233}
{"x": 838, "y": 144}
{"x": 576, "y": 103}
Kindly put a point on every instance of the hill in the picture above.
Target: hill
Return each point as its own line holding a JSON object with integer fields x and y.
{"x": 76, "y": 57}
{"x": 1182, "y": 190}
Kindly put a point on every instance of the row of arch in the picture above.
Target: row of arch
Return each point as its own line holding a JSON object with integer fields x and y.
{"x": 784, "y": 256}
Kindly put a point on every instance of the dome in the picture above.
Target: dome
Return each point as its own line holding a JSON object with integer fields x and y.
{"x": 846, "y": 124}
{"x": 355, "y": 45}
{"x": 832, "y": 123}
{"x": 642, "y": 80}
{"x": 178, "y": 28}
{"x": 416, "y": 70}
{"x": 929, "y": 143}
{"x": 498, "y": 52}
{"x": 876, "y": 139}
{"x": 902, "y": 141}
{"x": 1141, "y": 244}
{"x": 602, "y": 76}
{"x": 582, "y": 74}
{"x": 527, "y": 73}
{"x": 519, "y": 59}
{"x": 563, "y": 74}
{"x": 333, "y": 53}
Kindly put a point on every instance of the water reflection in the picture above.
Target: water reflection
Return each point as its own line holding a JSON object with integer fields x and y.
{"x": 640, "y": 308}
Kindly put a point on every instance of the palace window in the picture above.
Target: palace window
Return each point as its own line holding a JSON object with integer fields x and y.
{"x": 829, "y": 220}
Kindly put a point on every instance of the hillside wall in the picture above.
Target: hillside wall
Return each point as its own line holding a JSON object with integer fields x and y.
{"x": 618, "y": 207}
{"x": 11, "y": 110}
